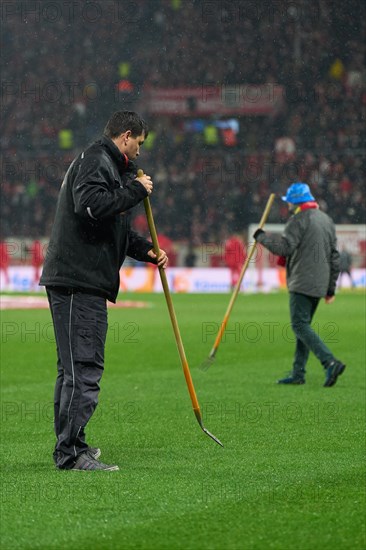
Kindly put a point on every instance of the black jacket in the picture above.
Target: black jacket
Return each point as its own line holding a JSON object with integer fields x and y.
{"x": 91, "y": 235}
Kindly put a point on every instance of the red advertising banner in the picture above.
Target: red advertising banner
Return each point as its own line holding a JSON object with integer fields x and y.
{"x": 235, "y": 99}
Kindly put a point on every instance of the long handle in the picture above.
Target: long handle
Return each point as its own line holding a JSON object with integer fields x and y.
{"x": 242, "y": 273}
{"x": 173, "y": 318}
{"x": 169, "y": 302}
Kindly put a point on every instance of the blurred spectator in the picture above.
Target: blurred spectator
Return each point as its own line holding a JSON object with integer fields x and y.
{"x": 345, "y": 259}
{"x": 4, "y": 262}
{"x": 37, "y": 259}
{"x": 56, "y": 97}
{"x": 167, "y": 244}
{"x": 234, "y": 257}
{"x": 191, "y": 257}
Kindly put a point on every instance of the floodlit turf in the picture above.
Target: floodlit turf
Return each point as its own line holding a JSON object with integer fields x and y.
{"x": 290, "y": 475}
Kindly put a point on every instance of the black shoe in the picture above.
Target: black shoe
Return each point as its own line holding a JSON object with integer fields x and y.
{"x": 94, "y": 452}
{"x": 86, "y": 462}
{"x": 292, "y": 379}
{"x": 332, "y": 372}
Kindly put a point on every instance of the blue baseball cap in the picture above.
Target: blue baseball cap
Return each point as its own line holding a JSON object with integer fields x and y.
{"x": 298, "y": 192}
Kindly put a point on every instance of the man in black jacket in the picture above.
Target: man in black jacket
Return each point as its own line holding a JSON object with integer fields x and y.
{"x": 90, "y": 239}
{"x": 308, "y": 248}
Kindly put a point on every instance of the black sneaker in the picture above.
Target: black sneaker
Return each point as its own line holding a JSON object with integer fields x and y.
{"x": 94, "y": 452}
{"x": 86, "y": 462}
{"x": 332, "y": 372}
{"x": 292, "y": 379}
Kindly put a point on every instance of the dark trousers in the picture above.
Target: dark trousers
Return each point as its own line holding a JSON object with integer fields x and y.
{"x": 80, "y": 324}
{"x": 302, "y": 309}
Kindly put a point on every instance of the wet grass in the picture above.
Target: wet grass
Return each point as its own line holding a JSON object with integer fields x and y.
{"x": 290, "y": 475}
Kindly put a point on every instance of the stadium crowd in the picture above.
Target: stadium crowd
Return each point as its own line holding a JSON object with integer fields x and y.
{"x": 65, "y": 72}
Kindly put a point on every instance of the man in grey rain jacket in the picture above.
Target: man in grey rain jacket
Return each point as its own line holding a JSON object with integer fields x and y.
{"x": 308, "y": 248}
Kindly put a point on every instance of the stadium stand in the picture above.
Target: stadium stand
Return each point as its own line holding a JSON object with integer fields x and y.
{"x": 57, "y": 97}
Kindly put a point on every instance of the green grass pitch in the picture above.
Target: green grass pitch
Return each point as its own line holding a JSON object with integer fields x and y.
{"x": 290, "y": 476}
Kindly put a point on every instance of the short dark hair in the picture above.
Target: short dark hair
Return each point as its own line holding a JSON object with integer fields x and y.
{"x": 121, "y": 121}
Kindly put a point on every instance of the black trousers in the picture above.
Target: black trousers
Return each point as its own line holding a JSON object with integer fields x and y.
{"x": 302, "y": 310}
{"x": 80, "y": 324}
